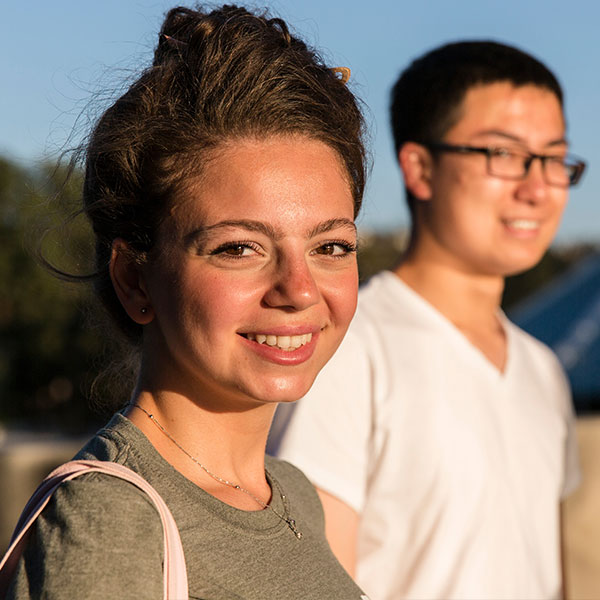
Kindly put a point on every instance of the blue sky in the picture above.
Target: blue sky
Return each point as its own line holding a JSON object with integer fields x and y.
{"x": 57, "y": 54}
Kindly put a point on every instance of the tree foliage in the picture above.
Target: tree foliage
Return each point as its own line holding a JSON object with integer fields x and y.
{"x": 46, "y": 350}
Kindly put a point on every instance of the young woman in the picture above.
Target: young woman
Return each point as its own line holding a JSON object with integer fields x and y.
{"x": 222, "y": 189}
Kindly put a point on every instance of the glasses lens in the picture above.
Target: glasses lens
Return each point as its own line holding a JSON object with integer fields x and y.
{"x": 559, "y": 171}
{"x": 506, "y": 163}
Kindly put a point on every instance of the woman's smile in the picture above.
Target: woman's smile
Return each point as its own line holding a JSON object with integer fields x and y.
{"x": 283, "y": 342}
{"x": 284, "y": 349}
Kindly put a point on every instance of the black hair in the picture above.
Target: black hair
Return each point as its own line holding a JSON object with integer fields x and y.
{"x": 426, "y": 99}
{"x": 428, "y": 93}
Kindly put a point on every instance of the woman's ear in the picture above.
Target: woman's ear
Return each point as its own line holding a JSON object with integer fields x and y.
{"x": 416, "y": 164}
{"x": 129, "y": 284}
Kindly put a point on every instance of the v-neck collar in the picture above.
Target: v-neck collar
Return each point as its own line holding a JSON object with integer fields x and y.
{"x": 433, "y": 313}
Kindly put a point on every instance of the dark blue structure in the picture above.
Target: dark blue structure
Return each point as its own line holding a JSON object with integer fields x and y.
{"x": 566, "y": 316}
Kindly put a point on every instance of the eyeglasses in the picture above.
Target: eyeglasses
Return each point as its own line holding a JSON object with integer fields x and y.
{"x": 560, "y": 171}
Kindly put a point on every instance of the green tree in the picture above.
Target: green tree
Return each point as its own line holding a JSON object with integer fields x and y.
{"x": 46, "y": 350}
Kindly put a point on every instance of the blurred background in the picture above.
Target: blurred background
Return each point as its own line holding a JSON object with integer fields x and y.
{"x": 64, "y": 61}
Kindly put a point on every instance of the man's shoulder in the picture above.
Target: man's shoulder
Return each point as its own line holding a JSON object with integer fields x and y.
{"x": 388, "y": 308}
{"x": 381, "y": 299}
{"x": 380, "y": 289}
{"x": 534, "y": 363}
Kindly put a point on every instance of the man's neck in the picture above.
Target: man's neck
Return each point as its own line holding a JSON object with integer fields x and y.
{"x": 468, "y": 300}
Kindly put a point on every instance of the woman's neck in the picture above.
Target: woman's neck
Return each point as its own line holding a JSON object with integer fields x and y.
{"x": 205, "y": 445}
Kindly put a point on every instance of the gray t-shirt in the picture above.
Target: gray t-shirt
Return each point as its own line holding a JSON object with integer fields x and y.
{"x": 101, "y": 537}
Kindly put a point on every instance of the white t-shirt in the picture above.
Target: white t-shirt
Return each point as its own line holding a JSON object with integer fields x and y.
{"x": 455, "y": 468}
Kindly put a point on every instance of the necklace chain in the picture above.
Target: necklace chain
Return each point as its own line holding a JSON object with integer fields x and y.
{"x": 291, "y": 523}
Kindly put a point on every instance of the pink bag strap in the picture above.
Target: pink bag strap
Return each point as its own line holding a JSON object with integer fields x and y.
{"x": 175, "y": 585}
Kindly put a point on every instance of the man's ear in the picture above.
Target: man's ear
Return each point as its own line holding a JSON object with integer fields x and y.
{"x": 129, "y": 284}
{"x": 416, "y": 164}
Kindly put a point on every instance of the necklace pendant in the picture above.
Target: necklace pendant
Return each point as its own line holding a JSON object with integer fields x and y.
{"x": 290, "y": 522}
{"x": 292, "y": 525}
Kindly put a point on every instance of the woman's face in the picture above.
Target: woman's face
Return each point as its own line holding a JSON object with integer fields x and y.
{"x": 255, "y": 279}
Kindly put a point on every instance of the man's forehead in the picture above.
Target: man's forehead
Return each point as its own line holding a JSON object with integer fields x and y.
{"x": 522, "y": 113}
{"x": 508, "y": 137}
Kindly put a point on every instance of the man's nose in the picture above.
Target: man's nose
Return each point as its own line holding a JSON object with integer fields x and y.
{"x": 533, "y": 187}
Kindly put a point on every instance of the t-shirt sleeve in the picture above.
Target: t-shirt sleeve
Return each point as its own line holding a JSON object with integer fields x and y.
{"x": 328, "y": 433}
{"x": 99, "y": 537}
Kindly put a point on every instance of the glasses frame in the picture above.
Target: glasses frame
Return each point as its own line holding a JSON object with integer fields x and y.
{"x": 576, "y": 165}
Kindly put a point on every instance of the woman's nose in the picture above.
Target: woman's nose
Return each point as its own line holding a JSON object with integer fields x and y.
{"x": 293, "y": 285}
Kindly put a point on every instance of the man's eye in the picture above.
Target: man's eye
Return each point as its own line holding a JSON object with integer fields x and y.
{"x": 505, "y": 153}
{"x": 557, "y": 160}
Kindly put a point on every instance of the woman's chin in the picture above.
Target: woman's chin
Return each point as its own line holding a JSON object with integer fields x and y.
{"x": 285, "y": 390}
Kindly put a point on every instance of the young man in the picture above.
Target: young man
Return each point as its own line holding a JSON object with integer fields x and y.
{"x": 440, "y": 435}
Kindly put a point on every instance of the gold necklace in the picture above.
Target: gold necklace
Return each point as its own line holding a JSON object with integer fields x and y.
{"x": 291, "y": 523}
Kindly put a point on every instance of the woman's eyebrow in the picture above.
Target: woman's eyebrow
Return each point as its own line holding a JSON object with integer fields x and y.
{"x": 200, "y": 234}
{"x": 331, "y": 224}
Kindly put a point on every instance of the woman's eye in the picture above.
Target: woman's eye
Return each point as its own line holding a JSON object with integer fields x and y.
{"x": 336, "y": 249}
{"x": 235, "y": 250}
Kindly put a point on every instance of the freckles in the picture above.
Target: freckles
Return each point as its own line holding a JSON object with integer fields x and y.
{"x": 233, "y": 298}
{"x": 341, "y": 297}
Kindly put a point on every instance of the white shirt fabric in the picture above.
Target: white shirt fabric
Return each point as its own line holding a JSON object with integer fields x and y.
{"x": 455, "y": 468}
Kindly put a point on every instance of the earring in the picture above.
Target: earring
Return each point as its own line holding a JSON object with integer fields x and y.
{"x": 144, "y": 310}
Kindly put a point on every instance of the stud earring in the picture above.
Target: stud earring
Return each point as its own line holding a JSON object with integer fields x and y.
{"x": 144, "y": 310}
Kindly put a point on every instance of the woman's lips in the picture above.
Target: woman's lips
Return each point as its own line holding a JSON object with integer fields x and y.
{"x": 288, "y": 343}
{"x": 283, "y": 349}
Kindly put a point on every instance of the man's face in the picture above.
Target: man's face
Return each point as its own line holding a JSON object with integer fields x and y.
{"x": 484, "y": 224}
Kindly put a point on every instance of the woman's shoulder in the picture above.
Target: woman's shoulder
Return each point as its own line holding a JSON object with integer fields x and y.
{"x": 114, "y": 442}
{"x": 103, "y": 501}
{"x": 99, "y": 494}
{"x": 103, "y": 496}
{"x": 295, "y": 483}
{"x": 91, "y": 526}
{"x": 82, "y": 542}
{"x": 284, "y": 470}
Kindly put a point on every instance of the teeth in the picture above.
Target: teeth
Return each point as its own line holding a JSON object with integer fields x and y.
{"x": 523, "y": 224}
{"x": 283, "y": 342}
